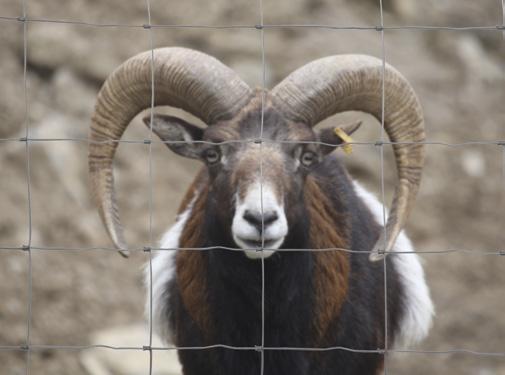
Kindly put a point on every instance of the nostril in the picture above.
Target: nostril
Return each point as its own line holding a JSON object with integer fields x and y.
{"x": 255, "y": 218}
{"x": 270, "y": 217}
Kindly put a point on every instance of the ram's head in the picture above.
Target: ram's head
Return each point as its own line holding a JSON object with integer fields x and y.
{"x": 258, "y": 145}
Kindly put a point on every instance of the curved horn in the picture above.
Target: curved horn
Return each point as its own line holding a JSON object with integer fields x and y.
{"x": 335, "y": 84}
{"x": 183, "y": 78}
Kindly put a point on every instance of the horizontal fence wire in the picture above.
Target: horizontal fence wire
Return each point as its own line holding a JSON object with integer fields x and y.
{"x": 252, "y": 27}
{"x": 378, "y": 143}
{"x": 36, "y": 347}
{"x": 210, "y": 248}
{"x": 29, "y": 247}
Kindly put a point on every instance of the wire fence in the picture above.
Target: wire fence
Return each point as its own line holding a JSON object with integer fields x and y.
{"x": 29, "y": 247}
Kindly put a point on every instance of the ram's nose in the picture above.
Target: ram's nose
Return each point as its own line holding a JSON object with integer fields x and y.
{"x": 260, "y": 220}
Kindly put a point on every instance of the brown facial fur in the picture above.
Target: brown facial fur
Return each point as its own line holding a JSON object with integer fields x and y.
{"x": 250, "y": 115}
{"x": 230, "y": 130}
{"x": 247, "y": 170}
{"x": 243, "y": 159}
{"x": 331, "y": 268}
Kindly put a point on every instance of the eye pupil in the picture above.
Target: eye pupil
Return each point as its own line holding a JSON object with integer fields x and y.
{"x": 308, "y": 158}
{"x": 212, "y": 156}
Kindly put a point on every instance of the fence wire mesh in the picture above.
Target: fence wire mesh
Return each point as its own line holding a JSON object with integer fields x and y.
{"x": 25, "y": 20}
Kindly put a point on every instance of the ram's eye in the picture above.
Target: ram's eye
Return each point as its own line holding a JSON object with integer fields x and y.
{"x": 308, "y": 158}
{"x": 212, "y": 156}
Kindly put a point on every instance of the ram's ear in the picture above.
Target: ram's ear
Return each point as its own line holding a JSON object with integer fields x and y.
{"x": 178, "y": 135}
{"x": 334, "y": 136}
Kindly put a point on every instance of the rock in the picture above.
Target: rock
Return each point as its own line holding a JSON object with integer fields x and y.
{"x": 252, "y": 72}
{"x": 73, "y": 95}
{"x": 128, "y": 362}
{"x": 475, "y": 65}
{"x": 89, "y": 52}
{"x": 473, "y": 163}
{"x": 12, "y": 105}
{"x": 479, "y": 65}
{"x": 62, "y": 154}
{"x": 447, "y": 13}
{"x": 407, "y": 9}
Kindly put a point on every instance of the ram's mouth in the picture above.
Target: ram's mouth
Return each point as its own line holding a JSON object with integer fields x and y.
{"x": 255, "y": 244}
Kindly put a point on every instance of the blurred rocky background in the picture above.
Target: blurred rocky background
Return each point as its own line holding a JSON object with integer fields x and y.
{"x": 95, "y": 296}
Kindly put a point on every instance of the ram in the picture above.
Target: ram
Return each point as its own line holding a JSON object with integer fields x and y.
{"x": 262, "y": 200}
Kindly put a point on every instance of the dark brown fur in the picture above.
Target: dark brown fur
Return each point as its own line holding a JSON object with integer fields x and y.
{"x": 327, "y": 230}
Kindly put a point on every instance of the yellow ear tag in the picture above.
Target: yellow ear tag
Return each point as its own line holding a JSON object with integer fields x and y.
{"x": 347, "y": 147}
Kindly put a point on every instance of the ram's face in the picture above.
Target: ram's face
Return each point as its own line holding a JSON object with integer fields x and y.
{"x": 258, "y": 184}
{"x": 256, "y": 172}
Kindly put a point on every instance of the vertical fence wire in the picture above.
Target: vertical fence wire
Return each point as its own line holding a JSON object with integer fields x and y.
{"x": 503, "y": 143}
{"x": 503, "y": 17}
{"x": 261, "y": 161}
{"x": 502, "y": 249}
{"x": 382, "y": 184}
{"x": 150, "y": 187}
{"x": 27, "y": 247}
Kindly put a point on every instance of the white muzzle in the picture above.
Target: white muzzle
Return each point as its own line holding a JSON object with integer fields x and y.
{"x": 259, "y": 221}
